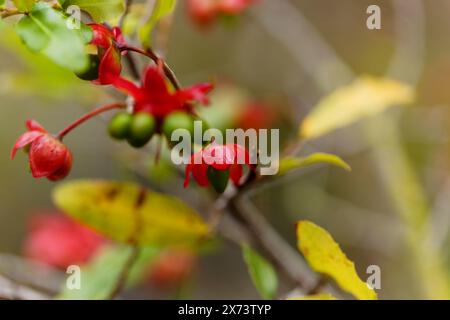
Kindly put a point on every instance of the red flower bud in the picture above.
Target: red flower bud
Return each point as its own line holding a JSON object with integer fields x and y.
{"x": 48, "y": 156}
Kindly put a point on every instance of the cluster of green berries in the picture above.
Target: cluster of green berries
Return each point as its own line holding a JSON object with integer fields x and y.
{"x": 138, "y": 129}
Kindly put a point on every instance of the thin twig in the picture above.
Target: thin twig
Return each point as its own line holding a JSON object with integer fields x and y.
{"x": 88, "y": 116}
{"x": 163, "y": 35}
{"x": 133, "y": 66}
{"x": 279, "y": 252}
{"x": 134, "y": 255}
{"x": 124, "y": 274}
{"x": 12, "y": 290}
{"x": 128, "y": 4}
{"x": 152, "y": 55}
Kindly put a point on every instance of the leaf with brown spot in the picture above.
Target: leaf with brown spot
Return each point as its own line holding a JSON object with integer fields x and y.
{"x": 127, "y": 213}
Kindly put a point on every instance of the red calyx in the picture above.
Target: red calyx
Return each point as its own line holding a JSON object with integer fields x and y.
{"x": 231, "y": 157}
{"x": 155, "y": 97}
{"x": 107, "y": 41}
{"x": 48, "y": 156}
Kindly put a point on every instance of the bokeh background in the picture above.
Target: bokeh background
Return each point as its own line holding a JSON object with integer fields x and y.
{"x": 291, "y": 53}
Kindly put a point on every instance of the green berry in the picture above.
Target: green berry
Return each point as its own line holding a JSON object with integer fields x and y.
{"x": 218, "y": 179}
{"x": 142, "y": 128}
{"x": 178, "y": 120}
{"x": 119, "y": 126}
{"x": 91, "y": 73}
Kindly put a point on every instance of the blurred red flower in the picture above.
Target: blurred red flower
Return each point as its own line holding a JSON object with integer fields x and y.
{"x": 48, "y": 156}
{"x": 255, "y": 116}
{"x": 172, "y": 268}
{"x": 57, "y": 240}
{"x": 204, "y": 12}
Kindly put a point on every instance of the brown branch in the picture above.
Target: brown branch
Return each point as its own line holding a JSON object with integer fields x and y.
{"x": 133, "y": 66}
{"x": 275, "y": 248}
{"x": 8, "y": 12}
{"x": 12, "y": 290}
{"x": 152, "y": 55}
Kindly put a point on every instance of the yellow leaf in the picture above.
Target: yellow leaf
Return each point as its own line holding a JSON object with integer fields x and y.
{"x": 127, "y": 213}
{"x": 291, "y": 163}
{"x": 321, "y": 296}
{"x": 367, "y": 96}
{"x": 325, "y": 256}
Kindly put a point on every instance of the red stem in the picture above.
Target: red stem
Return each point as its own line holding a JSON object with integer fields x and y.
{"x": 88, "y": 116}
{"x": 152, "y": 55}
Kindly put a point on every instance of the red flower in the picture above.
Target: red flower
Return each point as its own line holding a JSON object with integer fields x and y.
{"x": 204, "y": 12}
{"x": 155, "y": 97}
{"x": 172, "y": 268}
{"x": 255, "y": 116}
{"x": 59, "y": 241}
{"x": 229, "y": 157}
{"x": 107, "y": 41}
{"x": 48, "y": 156}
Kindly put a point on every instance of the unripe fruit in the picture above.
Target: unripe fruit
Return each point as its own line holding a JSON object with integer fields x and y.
{"x": 142, "y": 128}
{"x": 178, "y": 120}
{"x": 91, "y": 72}
{"x": 218, "y": 179}
{"x": 119, "y": 126}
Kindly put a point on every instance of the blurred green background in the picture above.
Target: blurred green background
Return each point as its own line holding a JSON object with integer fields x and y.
{"x": 296, "y": 51}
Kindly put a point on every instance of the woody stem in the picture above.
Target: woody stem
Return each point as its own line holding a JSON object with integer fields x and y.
{"x": 152, "y": 55}
{"x": 7, "y": 12}
{"x": 88, "y": 116}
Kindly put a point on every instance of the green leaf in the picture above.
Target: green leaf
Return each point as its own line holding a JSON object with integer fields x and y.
{"x": 262, "y": 273}
{"x": 100, "y": 10}
{"x": 2, "y": 2}
{"x": 24, "y": 5}
{"x": 291, "y": 163}
{"x": 161, "y": 9}
{"x": 45, "y": 30}
{"x": 365, "y": 97}
{"x": 99, "y": 278}
{"x": 127, "y": 213}
{"x": 325, "y": 256}
{"x": 40, "y": 77}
